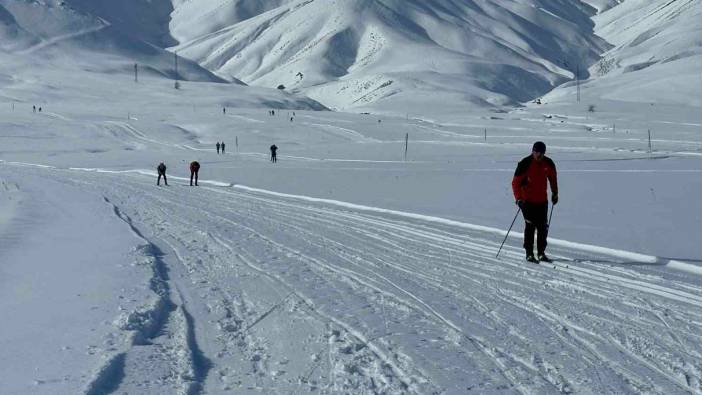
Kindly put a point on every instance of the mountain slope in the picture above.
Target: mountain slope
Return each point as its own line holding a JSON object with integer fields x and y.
{"x": 55, "y": 32}
{"x": 656, "y": 54}
{"x": 388, "y": 53}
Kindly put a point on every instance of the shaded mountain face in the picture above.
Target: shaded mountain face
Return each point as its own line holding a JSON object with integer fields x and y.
{"x": 146, "y": 20}
{"x": 12, "y": 35}
{"x": 102, "y": 35}
{"x": 193, "y": 19}
{"x": 355, "y": 53}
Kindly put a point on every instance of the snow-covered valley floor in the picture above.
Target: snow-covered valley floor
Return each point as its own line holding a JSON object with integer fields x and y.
{"x": 342, "y": 268}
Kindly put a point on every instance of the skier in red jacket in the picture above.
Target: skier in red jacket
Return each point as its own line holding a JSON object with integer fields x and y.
{"x": 530, "y": 192}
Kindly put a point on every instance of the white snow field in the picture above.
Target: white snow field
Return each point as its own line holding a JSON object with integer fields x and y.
{"x": 346, "y": 267}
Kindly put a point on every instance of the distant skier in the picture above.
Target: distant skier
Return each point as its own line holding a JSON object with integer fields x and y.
{"x": 34, "y": 108}
{"x": 39, "y": 109}
{"x": 194, "y": 169}
{"x": 530, "y": 192}
{"x": 291, "y": 119}
{"x": 274, "y": 153}
{"x": 217, "y": 145}
{"x": 222, "y": 147}
{"x": 161, "y": 169}
{"x": 224, "y": 110}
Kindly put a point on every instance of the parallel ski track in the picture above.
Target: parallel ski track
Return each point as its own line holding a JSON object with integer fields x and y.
{"x": 515, "y": 316}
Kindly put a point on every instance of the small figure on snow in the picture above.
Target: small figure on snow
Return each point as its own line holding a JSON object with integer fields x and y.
{"x": 161, "y": 169}
{"x": 274, "y": 153}
{"x": 217, "y": 145}
{"x": 194, "y": 169}
{"x": 530, "y": 192}
{"x": 222, "y": 147}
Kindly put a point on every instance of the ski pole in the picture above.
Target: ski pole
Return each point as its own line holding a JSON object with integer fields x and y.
{"x": 510, "y": 229}
{"x": 551, "y": 215}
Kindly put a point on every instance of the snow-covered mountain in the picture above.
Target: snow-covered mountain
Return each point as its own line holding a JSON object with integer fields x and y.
{"x": 92, "y": 35}
{"x": 389, "y": 53}
{"x": 657, "y": 50}
{"x": 384, "y": 55}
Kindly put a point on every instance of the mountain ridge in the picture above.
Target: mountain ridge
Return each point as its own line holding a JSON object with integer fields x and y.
{"x": 352, "y": 54}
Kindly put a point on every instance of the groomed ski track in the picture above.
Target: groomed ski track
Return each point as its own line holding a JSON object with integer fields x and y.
{"x": 272, "y": 292}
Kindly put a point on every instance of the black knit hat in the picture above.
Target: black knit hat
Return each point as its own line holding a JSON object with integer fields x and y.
{"x": 539, "y": 146}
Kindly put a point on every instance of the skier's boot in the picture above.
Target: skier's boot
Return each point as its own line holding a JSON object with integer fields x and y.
{"x": 530, "y": 258}
{"x": 544, "y": 258}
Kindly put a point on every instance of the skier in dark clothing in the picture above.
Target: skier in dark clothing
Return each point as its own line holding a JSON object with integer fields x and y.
{"x": 217, "y": 147}
{"x": 274, "y": 155}
{"x": 222, "y": 147}
{"x": 530, "y": 192}
{"x": 161, "y": 169}
{"x": 194, "y": 169}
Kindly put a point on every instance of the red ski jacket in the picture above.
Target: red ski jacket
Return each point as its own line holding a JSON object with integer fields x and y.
{"x": 194, "y": 167}
{"x": 529, "y": 182}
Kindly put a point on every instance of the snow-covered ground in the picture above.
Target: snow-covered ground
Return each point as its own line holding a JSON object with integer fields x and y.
{"x": 345, "y": 267}
{"x": 342, "y": 268}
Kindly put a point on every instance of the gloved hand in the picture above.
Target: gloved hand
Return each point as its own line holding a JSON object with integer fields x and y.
{"x": 520, "y": 203}
{"x": 554, "y": 198}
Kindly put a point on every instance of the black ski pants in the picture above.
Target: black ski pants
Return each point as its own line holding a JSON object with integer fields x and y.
{"x": 165, "y": 180}
{"x": 536, "y": 218}
{"x": 193, "y": 173}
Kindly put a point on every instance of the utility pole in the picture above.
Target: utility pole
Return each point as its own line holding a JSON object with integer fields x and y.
{"x": 175, "y": 55}
{"x": 485, "y": 134}
{"x": 136, "y": 73}
{"x": 650, "y": 148}
{"x": 406, "y": 145}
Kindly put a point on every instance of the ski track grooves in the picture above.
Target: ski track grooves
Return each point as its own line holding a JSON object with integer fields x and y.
{"x": 109, "y": 378}
{"x": 435, "y": 278}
